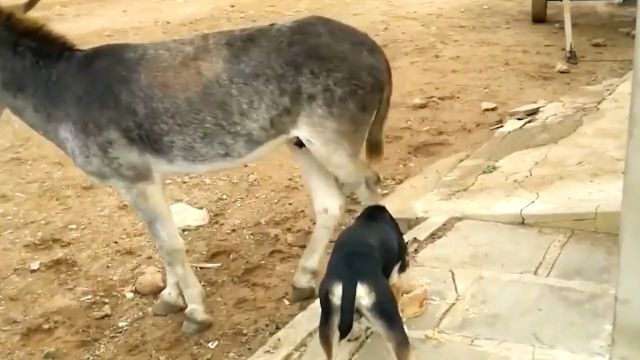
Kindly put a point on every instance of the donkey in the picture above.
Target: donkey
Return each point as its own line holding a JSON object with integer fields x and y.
{"x": 129, "y": 115}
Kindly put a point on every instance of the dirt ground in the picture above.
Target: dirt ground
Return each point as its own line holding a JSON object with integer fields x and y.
{"x": 91, "y": 246}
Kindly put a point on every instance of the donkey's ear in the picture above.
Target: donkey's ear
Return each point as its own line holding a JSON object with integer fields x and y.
{"x": 30, "y": 4}
{"x": 23, "y": 8}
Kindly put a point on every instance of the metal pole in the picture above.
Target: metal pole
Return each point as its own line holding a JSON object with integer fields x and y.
{"x": 626, "y": 329}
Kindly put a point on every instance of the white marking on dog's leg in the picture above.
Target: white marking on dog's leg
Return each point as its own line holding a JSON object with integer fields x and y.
{"x": 329, "y": 205}
{"x": 148, "y": 199}
{"x": 395, "y": 276}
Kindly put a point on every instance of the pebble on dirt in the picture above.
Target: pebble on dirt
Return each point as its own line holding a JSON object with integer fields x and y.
{"x": 150, "y": 282}
{"x": 103, "y": 313}
{"x": 50, "y": 354}
{"x": 598, "y": 42}
{"x": 422, "y": 102}
{"x": 562, "y": 68}
{"x": 13, "y": 318}
{"x": 626, "y": 31}
{"x": 34, "y": 266}
{"x": 488, "y": 106}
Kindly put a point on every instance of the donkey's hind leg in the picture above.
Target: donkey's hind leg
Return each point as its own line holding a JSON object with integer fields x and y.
{"x": 353, "y": 173}
{"x": 329, "y": 205}
{"x": 149, "y": 201}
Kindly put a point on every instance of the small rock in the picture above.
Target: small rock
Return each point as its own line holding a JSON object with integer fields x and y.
{"x": 598, "y": 42}
{"x": 34, "y": 266}
{"x": 626, "y": 31}
{"x": 129, "y": 295}
{"x": 13, "y": 318}
{"x": 50, "y": 354}
{"x": 562, "y": 68}
{"x": 488, "y": 106}
{"x": 188, "y": 217}
{"x": 423, "y": 102}
{"x": 87, "y": 185}
{"x": 150, "y": 282}
{"x": 104, "y": 313}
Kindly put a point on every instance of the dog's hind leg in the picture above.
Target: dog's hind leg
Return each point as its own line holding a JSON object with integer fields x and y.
{"x": 385, "y": 318}
{"x": 327, "y": 326}
{"x": 329, "y": 205}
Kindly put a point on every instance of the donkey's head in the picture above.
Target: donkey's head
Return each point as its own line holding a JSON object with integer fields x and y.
{"x": 23, "y": 40}
{"x": 19, "y": 9}
{"x": 24, "y": 36}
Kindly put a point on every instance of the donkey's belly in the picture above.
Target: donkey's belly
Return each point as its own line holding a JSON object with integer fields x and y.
{"x": 214, "y": 163}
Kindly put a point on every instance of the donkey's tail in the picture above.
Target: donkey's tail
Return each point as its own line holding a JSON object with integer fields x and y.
{"x": 374, "y": 147}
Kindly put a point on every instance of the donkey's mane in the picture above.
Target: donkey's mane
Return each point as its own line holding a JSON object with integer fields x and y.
{"x": 28, "y": 33}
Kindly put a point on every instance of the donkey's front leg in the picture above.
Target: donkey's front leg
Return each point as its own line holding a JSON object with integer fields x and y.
{"x": 149, "y": 201}
{"x": 329, "y": 205}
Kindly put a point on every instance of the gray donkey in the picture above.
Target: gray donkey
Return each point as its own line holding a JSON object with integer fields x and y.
{"x": 131, "y": 114}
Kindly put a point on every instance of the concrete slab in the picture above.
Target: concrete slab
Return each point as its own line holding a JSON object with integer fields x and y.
{"x": 425, "y": 229}
{"x": 375, "y": 347}
{"x": 292, "y": 336}
{"x": 438, "y": 281}
{"x": 534, "y": 313}
{"x": 401, "y": 201}
{"x": 442, "y": 295}
{"x": 313, "y": 350}
{"x": 490, "y": 246}
{"x": 588, "y": 257}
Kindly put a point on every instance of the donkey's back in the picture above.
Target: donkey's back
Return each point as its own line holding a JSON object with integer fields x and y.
{"x": 213, "y": 100}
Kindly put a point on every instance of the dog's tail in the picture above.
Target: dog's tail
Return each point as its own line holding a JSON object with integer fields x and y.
{"x": 347, "y": 307}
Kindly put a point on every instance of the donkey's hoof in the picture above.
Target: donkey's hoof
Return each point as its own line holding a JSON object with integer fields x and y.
{"x": 196, "y": 321}
{"x": 299, "y": 294}
{"x": 164, "y": 308}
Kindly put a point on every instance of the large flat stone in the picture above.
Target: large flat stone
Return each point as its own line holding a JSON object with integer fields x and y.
{"x": 442, "y": 294}
{"x": 314, "y": 351}
{"x": 490, "y": 246}
{"x": 438, "y": 281}
{"x": 375, "y": 349}
{"x": 588, "y": 257}
{"x": 430, "y": 319}
{"x": 535, "y": 314}
{"x": 291, "y": 336}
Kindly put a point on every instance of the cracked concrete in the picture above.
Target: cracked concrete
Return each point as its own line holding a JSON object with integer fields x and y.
{"x": 493, "y": 289}
{"x": 574, "y": 181}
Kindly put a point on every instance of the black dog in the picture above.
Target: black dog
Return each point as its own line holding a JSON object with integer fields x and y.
{"x": 368, "y": 257}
